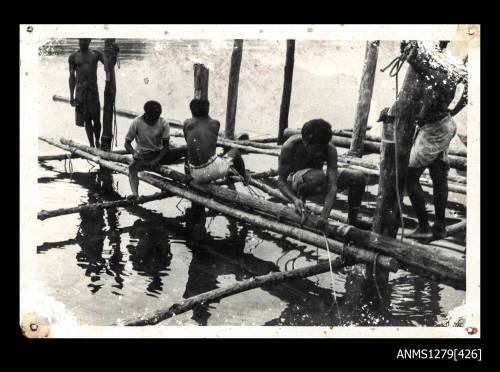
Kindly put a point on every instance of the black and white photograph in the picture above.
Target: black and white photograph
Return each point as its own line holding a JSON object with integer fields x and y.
{"x": 214, "y": 181}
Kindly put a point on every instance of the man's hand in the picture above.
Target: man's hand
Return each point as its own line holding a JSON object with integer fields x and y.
{"x": 322, "y": 223}
{"x": 72, "y": 101}
{"x": 298, "y": 205}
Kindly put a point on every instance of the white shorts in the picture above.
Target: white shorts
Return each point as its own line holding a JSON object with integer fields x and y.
{"x": 215, "y": 168}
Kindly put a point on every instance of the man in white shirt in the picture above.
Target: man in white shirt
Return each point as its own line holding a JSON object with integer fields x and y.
{"x": 151, "y": 133}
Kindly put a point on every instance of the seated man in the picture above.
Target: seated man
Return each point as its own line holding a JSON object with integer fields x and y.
{"x": 301, "y": 171}
{"x": 201, "y": 132}
{"x": 152, "y": 134}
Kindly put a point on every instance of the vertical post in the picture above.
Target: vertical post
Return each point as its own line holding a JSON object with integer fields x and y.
{"x": 232, "y": 92}
{"x": 200, "y": 81}
{"x": 287, "y": 90}
{"x": 364, "y": 100}
{"x": 110, "y": 56}
{"x": 407, "y": 105}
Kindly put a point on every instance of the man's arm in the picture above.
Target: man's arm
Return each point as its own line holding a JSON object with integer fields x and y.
{"x": 284, "y": 170}
{"x": 132, "y": 132}
{"x": 130, "y": 148}
{"x": 331, "y": 174}
{"x": 157, "y": 161}
{"x": 462, "y": 102}
{"x": 72, "y": 80}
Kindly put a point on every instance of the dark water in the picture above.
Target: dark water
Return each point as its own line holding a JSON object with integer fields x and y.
{"x": 122, "y": 263}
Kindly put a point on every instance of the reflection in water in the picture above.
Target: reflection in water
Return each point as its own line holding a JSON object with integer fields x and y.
{"x": 150, "y": 254}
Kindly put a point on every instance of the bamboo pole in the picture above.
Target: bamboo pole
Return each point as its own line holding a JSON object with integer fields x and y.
{"x": 287, "y": 90}
{"x": 200, "y": 81}
{"x": 306, "y": 236}
{"x": 364, "y": 100}
{"x": 450, "y": 267}
{"x": 219, "y": 293}
{"x": 43, "y": 214}
{"x": 232, "y": 90}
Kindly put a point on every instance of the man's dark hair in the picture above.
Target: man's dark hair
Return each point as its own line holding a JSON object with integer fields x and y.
{"x": 317, "y": 131}
{"x": 199, "y": 107}
{"x": 152, "y": 107}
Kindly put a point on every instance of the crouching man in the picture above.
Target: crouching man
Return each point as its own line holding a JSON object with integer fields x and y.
{"x": 151, "y": 133}
{"x": 301, "y": 172}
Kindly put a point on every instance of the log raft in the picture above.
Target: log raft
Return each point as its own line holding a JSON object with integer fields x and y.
{"x": 449, "y": 267}
{"x": 349, "y": 251}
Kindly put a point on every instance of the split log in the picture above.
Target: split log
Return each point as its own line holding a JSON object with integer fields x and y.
{"x": 43, "y": 215}
{"x": 450, "y": 268}
{"x": 219, "y": 293}
{"x": 364, "y": 100}
{"x": 232, "y": 90}
{"x": 349, "y": 251}
{"x": 287, "y": 90}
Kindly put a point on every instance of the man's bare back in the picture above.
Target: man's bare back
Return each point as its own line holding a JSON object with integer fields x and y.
{"x": 201, "y": 137}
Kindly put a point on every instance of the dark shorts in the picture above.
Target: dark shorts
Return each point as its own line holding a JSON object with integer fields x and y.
{"x": 87, "y": 105}
{"x": 173, "y": 154}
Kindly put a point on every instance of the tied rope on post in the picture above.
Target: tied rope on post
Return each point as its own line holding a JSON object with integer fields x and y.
{"x": 397, "y": 64}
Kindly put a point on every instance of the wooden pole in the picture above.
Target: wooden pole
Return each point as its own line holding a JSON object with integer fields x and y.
{"x": 287, "y": 90}
{"x": 200, "y": 81}
{"x": 43, "y": 215}
{"x": 110, "y": 57}
{"x": 306, "y": 236}
{"x": 448, "y": 266}
{"x": 65, "y": 156}
{"x": 232, "y": 91}
{"x": 364, "y": 100}
{"x": 246, "y": 285}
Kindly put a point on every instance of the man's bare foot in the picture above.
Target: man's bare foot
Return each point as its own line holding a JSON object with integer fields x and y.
{"x": 439, "y": 231}
{"x": 97, "y": 145}
{"x": 421, "y": 233}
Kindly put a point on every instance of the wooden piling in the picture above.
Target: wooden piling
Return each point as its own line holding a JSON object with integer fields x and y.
{"x": 232, "y": 91}
{"x": 200, "y": 81}
{"x": 110, "y": 58}
{"x": 287, "y": 90}
{"x": 364, "y": 100}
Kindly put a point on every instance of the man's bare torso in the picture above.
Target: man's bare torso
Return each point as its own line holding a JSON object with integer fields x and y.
{"x": 201, "y": 138}
{"x": 85, "y": 64}
{"x": 297, "y": 158}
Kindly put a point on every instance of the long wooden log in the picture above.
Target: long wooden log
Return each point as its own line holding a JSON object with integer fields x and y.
{"x": 370, "y": 137}
{"x": 457, "y": 162}
{"x": 232, "y": 90}
{"x": 287, "y": 90}
{"x": 449, "y": 267}
{"x": 364, "y": 100}
{"x": 65, "y": 156}
{"x": 297, "y": 233}
{"x": 43, "y": 214}
{"x": 219, "y": 293}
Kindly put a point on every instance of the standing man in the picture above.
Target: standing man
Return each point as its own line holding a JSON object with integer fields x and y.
{"x": 83, "y": 76}
{"x": 201, "y": 133}
{"x": 151, "y": 133}
{"x": 435, "y": 130}
{"x": 301, "y": 173}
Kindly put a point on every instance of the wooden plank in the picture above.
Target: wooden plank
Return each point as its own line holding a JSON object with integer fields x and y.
{"x": 200, "y": 81}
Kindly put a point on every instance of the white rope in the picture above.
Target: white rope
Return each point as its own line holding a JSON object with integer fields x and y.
{"x": 331, "y": 273}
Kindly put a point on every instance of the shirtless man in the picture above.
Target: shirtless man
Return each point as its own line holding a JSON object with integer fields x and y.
{"x": 301, "y": 171}
{"x": 435, "y": 130}
{"x": 83, "y": 76}
{"x": 201, "y": 133}
{"x": 151, "y": 133}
